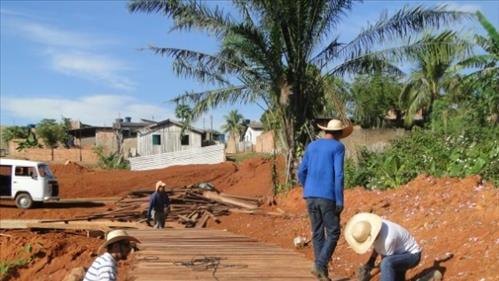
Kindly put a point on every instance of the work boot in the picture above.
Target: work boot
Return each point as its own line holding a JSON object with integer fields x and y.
{"x": 320, "y": 274}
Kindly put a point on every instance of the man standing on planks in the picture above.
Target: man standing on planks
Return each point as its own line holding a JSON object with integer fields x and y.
{"x": 159, "y": 206}
{"x": 321, "y": 174}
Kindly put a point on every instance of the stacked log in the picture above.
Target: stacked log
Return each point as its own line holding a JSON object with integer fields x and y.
{"x": 191, "y": 206}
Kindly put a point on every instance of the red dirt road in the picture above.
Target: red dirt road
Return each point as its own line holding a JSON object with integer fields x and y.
{"x": 460, "y": 216}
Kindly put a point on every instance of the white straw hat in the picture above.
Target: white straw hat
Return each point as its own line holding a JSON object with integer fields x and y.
{"x": 361, "y": 231}
{"x": 116, "y": 236}
{"x": 160, "y": 184}
{"x": 338, "y": 125}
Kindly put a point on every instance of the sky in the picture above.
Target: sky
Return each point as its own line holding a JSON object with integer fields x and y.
{"x": 83, "y": 60}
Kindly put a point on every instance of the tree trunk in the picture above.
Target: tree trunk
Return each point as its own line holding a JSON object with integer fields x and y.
{"x": 52, "y": 153}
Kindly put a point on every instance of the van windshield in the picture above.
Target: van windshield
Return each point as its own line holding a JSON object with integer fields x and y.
{"x": 44, "y": 171}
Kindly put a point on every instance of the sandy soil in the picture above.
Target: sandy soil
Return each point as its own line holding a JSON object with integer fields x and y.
{"x": 460, "y": 216}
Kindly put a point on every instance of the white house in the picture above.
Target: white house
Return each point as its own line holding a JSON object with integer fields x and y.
{"x": 164, "y": 136}
{"x": 253, "y": 130}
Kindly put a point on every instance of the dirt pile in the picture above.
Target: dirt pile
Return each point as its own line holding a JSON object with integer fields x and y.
{"x": 460, "y": 216}
{"x": 49, "y": 256}
{"x": 85, "y": 183}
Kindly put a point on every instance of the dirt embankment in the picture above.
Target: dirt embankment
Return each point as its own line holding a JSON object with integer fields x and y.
{"x": 460, "y": 216}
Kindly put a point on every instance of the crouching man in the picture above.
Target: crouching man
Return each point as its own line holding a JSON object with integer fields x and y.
{"x": 117, "y": 247}
{"x": 397, "y": 247}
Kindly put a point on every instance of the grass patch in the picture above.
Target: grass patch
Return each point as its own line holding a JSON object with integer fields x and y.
{"x": 10, "y": 265}
{"x": 241, "y": 157}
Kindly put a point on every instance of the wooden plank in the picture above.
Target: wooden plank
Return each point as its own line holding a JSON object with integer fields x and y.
{"x": 209, "y": 254}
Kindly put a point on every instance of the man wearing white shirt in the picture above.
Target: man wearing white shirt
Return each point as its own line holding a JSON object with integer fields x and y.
{"x": 116, "y": 247}
{"x": 398, "y": 248}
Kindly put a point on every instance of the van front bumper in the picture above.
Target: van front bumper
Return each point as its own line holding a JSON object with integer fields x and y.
{"x": 50, "y": 198}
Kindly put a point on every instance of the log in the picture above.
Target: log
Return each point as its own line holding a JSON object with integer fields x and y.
{"x": 230, "y": 201}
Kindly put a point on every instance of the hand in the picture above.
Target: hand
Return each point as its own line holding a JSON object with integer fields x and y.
{"x": 364, "y": 273}
{"x": 339, "y": 209}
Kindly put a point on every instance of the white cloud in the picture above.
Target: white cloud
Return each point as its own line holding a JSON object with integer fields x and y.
{"x": 92, "y": 67}
{"x": 53, "y": 36}
{"x": 73, "y": 53}
{"x": 94, "y": 110}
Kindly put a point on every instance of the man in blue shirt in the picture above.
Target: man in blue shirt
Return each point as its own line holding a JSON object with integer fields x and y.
{"x": 321, "y": 174}
{"x": 159, "y": 205}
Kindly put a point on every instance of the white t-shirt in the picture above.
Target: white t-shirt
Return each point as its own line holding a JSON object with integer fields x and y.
{"x": 393, "y": 239}
{"x": 102, "y": 269}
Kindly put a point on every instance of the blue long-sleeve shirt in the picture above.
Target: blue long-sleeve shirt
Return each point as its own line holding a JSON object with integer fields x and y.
{"x": 321, "y": 170}
{"x": 158, "y": 202}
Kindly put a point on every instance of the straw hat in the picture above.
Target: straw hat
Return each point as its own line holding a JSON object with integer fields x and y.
{"x": 361, "y": 231}
{"x": 116, "y": 236}
{"x": 337, "y": 125}
{"x": 160, "y": 184}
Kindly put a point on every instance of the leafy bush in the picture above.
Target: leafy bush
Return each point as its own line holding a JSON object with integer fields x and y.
{"x": 111, "y": 160}
{"x": 473, "y": 151}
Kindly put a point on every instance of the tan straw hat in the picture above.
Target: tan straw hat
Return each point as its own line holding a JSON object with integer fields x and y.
{"x": 361, "y": 231}
{"x": 160, "y": 184}
{"x": 338, "y": 125}
{"x": 116, "y": 236}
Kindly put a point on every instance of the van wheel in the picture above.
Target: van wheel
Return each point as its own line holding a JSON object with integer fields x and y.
{"x": 24, "y": 201}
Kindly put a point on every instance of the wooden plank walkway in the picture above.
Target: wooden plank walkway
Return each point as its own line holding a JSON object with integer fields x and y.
{"x": 209, "y": 254}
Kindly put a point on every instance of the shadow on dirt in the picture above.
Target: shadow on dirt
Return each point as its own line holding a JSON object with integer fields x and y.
{"x": 55, "y": 205}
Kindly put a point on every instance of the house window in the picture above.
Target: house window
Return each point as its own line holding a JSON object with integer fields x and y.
{"x": 156, "y": 139}
{"x": 184, "y": 140}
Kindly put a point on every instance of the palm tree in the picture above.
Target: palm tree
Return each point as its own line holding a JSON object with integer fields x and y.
{"x": 184, "y": 113}
{"x": 488, "y": 62}
{"x": 270, "y": 49}
{"x": 233, "y": 124}
{"x": 435, "y": 73}
{"x": 485, "y": 80}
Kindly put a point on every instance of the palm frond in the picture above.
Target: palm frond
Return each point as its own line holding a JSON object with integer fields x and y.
{"x": 407, "y": 21}
{"x": 186, "y": 14}
{"x": 203, "y": 101}
{"x": 328, "y": 53}
{"x": 367, "y": 63}
{"x": 491, "y": 30}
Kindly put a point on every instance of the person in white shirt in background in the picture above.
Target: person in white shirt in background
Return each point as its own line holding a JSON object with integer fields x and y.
{"x": 397, "y": 247}
{"x": 117, "y": 247}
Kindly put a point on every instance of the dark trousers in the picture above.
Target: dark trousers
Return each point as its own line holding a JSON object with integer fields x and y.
{"x": 393, "y": 267}
{"x": 325, "y": 229}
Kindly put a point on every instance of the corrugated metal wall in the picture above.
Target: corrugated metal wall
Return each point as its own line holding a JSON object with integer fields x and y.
{"x": 212, "y": 154}
{"x": 170, "y": 141}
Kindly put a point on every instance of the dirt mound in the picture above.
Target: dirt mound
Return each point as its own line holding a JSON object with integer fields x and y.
{"x": 46, "y": 256}
{"x": 68, "y": 168}
{"x": 460, "y": 216}
{"x": 74, "y": 183}
{"x": 253, "y": 177}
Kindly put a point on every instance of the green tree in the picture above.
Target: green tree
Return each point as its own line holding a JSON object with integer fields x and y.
{"x": 373, "y": 96}
{"x": 484, "y": 81}
{"x": 26, "y": 135}
{"x": 51, "y": 133}
{"x": 270, "y": 47}
{"x": 15, "y": 132}
{"x": 435, "y": 73}
{"x": 184, "y": 113}
{"x": 233, "y": 124}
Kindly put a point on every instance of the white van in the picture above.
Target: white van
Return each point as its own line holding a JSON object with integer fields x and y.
{"x": 27, "y": 182}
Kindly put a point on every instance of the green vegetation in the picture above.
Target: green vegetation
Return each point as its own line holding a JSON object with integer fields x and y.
{"x": 284, "y": 55}
{"x": 373, "y": 96}
{"x": 113, "y": 160}
{"x": 7, "y": 266}
{"x": 233, "y": 125}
